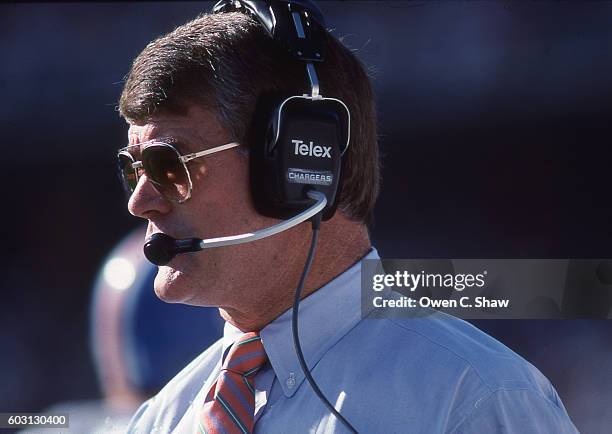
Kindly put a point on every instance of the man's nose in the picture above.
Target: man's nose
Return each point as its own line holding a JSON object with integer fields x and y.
{"x": 146, "y": 200}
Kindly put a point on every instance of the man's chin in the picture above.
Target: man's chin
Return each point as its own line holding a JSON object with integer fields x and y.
{"x": 169, "y": 287}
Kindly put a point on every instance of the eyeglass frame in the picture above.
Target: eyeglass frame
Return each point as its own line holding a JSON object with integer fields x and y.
{"x": 184, "y": 159}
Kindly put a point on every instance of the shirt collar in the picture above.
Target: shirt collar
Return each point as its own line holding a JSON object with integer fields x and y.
{"x": 325, "y": 316}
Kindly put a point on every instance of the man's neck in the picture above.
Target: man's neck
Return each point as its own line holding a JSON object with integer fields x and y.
{"x": 333, "y": 257}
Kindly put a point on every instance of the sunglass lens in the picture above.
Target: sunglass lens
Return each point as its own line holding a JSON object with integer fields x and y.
{"x": 164, "y": 168}
{"x": 127, "y": 173}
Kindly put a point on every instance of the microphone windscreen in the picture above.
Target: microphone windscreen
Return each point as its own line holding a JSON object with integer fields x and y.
{"x": 160, "y": 249}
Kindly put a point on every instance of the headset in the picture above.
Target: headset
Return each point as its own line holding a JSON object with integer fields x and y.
{"x": 296, "y": 146}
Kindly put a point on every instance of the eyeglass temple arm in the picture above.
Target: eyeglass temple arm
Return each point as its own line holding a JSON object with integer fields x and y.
{"x": 189, "y": 157}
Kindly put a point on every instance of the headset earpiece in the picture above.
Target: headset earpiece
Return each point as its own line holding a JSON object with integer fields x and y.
{"x": 299, "y": 149}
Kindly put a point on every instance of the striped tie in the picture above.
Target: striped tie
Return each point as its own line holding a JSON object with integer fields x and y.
{"x": 230, "y": 404}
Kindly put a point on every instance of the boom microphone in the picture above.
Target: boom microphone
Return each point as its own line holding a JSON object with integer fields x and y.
{"x": 160, "y": 248}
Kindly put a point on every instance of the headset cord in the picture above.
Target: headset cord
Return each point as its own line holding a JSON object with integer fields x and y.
{"x": 316, "y": 224}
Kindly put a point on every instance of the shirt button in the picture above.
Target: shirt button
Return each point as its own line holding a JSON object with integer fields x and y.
{"x": 291, "y": 380}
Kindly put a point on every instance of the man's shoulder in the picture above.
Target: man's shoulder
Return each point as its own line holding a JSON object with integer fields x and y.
{"x": 452, "y": 344}
{"x": 442, "y": 359}
{"x": 439, "y": 352}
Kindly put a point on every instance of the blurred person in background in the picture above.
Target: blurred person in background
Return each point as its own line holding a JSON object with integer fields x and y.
{"x": 138, "y": 342}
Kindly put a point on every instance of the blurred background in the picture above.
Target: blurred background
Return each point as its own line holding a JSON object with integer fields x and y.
{"x": 495, "y": 122}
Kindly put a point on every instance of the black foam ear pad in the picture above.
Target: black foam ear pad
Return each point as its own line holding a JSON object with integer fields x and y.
{"x": 300, "y": 148}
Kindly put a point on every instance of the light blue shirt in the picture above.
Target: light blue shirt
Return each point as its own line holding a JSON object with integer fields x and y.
{"x": 434, "y": 374}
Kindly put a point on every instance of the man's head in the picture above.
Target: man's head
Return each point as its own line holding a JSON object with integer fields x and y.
{"x": 199, "y": 86}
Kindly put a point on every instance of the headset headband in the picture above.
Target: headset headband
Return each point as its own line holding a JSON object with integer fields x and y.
{"x": 298, "y": 25}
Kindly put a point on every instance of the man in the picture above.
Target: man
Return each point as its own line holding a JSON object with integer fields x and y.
{"x": 196, "y": 88}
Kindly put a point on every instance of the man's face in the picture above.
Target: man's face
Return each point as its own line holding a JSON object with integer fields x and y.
{"x": 220, "y": 205}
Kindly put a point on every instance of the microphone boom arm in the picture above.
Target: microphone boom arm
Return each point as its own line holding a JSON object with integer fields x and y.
{"x": 161, "y": 248}
{"x": 272, "y": 230}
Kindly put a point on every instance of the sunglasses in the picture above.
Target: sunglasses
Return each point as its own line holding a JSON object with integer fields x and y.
{"x": 164, "y": 166}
